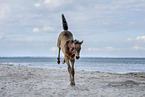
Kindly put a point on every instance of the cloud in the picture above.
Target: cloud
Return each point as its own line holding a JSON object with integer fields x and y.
{"x": 129, "y": 39}
{"x": 109, "y": 48}
{"x": 53, "y": 49}
{"x": 48, "y": 1}
{"x": 138, "y": 48}
{"x": 48, "y": 28}
{"x": 92, "y": 20}
{"x": 44, "y": 29}
{"x": 136, "y": 43}
{"x": 37, "y": 4}
{"x": 22, "y": 39}
{"x": 93, "y": 49}
{"x": 2, "y": 35}
{"x": 4, "y": 9}
{"x": 36, "y": 29}
{"x": 140, "y": 38}
{"x": 52, "y": 4}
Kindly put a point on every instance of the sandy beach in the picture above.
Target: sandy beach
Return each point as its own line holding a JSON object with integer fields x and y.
{"x": 18, "y": 81}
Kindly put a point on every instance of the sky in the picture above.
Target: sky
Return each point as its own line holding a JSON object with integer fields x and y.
{"x": 109, "y": 28}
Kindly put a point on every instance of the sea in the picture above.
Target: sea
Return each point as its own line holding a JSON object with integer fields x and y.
{"x": 102, "y": 64}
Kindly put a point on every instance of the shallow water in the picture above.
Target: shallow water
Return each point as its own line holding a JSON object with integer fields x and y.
{"x": 112, "y": 65}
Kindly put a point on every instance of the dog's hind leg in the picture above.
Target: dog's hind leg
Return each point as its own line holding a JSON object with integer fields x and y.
{"x": 69, "y": 69}
{"x": 58, "y": 58}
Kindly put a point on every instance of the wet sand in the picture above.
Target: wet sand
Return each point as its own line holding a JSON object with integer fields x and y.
{"x": 44, "y": 82}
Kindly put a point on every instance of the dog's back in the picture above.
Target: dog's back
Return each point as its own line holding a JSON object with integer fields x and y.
{"x": 63, "y": 37}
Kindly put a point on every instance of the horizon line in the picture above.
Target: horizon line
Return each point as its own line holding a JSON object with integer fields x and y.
{"x": 81, "y": 57}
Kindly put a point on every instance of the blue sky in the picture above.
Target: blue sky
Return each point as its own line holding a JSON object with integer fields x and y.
{"x": 109, "y": 28}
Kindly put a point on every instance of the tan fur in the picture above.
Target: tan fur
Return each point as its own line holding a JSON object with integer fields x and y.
{"x": 63, "y": 38}
{"x": 70, "y": 48}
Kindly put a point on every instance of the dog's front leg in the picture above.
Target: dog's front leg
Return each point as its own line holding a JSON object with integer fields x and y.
{"x": 58, "y": 58}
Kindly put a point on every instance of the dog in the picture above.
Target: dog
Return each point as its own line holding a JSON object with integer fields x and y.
{"x": 70, "y": 48}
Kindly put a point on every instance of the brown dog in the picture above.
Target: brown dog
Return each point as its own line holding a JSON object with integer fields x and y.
{"x": 70, "y": 48}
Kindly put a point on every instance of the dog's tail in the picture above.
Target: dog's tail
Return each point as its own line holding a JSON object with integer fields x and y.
{"x": 64, "y": 23}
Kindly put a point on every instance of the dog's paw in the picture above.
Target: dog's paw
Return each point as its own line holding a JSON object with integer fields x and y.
{"x": 72, "y": 84}
{"x": 58, "y": 61}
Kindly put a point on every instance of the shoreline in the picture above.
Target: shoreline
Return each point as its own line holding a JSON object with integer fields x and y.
{"x": 65, "y": 68}
{"x": 111, "y": 65}
{"x": 43, "y": 82}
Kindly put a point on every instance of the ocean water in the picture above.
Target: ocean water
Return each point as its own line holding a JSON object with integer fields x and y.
{"x": 111, "y": 65}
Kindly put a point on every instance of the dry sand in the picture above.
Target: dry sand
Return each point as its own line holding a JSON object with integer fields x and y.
{"x": 38, "y": 82}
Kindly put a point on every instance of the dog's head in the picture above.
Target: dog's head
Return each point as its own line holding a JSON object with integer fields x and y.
{"x": 76, "y": 48}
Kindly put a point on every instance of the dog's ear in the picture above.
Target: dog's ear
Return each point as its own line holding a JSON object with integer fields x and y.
{"x": 81, "y": 42}
{"x": 71, "y": 41}
{"x": 75, "y": 41}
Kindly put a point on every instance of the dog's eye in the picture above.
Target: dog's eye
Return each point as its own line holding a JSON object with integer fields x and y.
{"x": 72, "y": 49}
